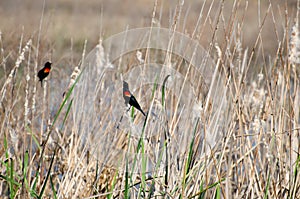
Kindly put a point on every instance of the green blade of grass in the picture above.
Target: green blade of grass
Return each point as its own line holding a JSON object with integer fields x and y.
{"x": 218, "y": 192}
{"x": 163, "y": 89}
{"x": 267, "y": 187}
{"x": 202, "y": 195}
{"x": 207, "y": 188}
{"x": 14, "y": 183}
{"x": 138, "y": 148}
{"x": 25, "y": 164}
{"x": 5, "y": 147}
{"x": 34, "y": 184}
{"x": 53, "y": 188}
{"x": 126, "y": 192}
{"x": 188, "y": 164}
{"x": 12, "y": 190}
{"x": 67, "y": 113}
{"x": 113, "y": 185}
{"x": 95, "y": 184}
{"x": 48, "y": 174}
{"x": 25, "y": 169}
{"x": 67, "y": 97}
{"x": 295, "y": 178}
{"x": 143, "y": 169}
{"x": 167, "y": 160}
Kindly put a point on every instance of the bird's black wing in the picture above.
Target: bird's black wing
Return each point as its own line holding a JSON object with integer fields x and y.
{"x": 133, "y": 102}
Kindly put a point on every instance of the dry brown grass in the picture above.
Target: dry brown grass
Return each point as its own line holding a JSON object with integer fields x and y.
{"x": 252, "y": 132}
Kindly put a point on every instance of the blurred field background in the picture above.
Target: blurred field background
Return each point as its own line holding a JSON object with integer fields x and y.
{"x": 258, "y": 157}
{"x": 68, "y": 23}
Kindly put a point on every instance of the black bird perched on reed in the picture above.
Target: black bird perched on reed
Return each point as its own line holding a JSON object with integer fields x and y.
{"x": 44, "y": 72}
{"x": 130, "y": 99}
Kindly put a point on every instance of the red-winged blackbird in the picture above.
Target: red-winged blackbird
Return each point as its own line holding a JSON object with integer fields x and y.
{"x": 130, "y": 99}
{"x": 44, "y": 72}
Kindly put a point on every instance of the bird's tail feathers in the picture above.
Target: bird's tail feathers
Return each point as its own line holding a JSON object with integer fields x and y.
{"x": 143, "y": 112}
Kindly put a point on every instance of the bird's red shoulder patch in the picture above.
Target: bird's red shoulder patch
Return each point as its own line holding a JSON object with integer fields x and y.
{"x": 127, "y": 93}
{"x": 46, "y": 70}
